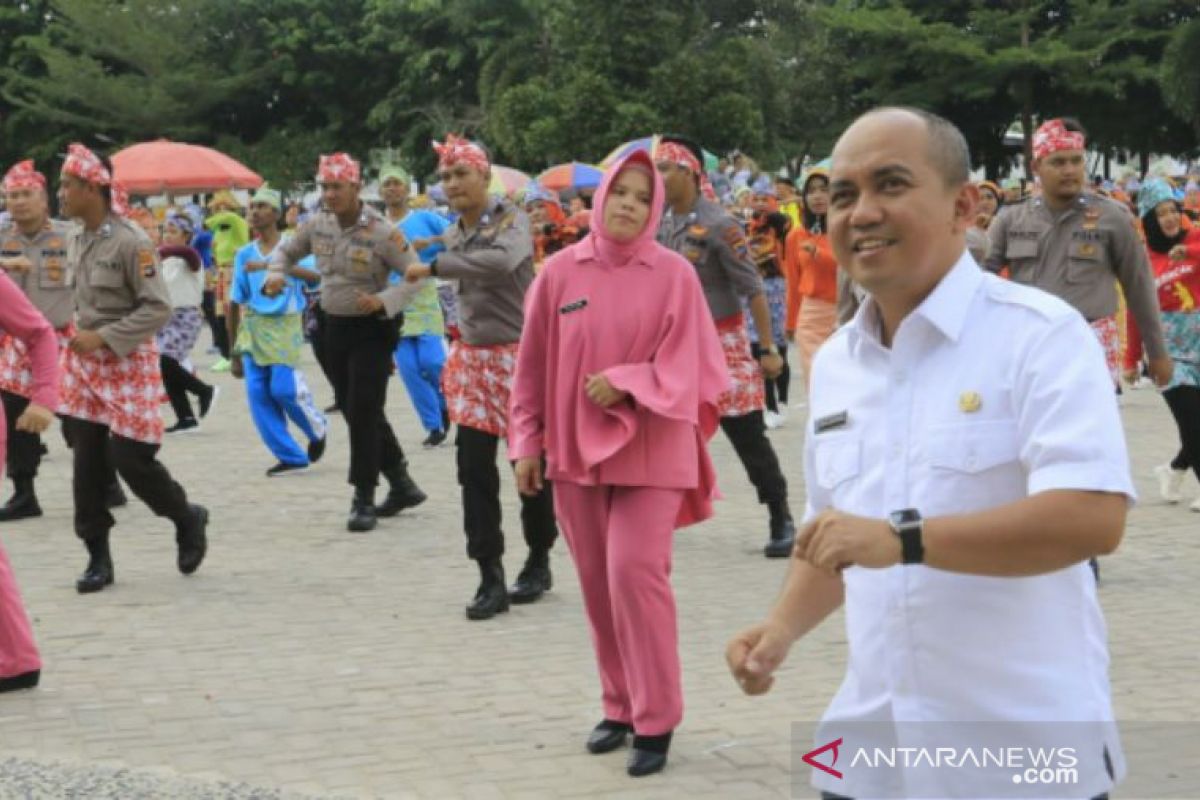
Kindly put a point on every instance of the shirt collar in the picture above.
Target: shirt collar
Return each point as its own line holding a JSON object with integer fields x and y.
{"x": 945, "y": 308}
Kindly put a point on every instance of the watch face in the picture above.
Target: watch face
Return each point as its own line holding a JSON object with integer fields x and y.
{"x": 905, "y": 517}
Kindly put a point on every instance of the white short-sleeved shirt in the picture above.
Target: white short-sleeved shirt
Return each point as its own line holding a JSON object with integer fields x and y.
{"x": 991, "y": 392}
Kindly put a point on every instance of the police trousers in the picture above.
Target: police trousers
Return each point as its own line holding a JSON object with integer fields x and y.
{"x": 97, "y": 451}
{"x": 748, "y": 435}
{"x": 24, "y": 448}
{"x": 359, "y": 352}
{"x": 479, "y": 478}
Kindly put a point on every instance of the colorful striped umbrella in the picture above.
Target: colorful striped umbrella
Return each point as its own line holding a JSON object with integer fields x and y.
{"x": 571, "y": 176}
{"x": 649, "y": 144}
{"x": 507, "y": 181}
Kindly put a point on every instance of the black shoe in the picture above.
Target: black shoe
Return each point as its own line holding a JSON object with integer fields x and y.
{"x": 532, "y": 582}
{"x": 362, "y": 514}
{"x": 114, "y": 495}
{"x": 446, "y": 420}
{"x": 434, "y": 439}
{"x": 649, "y": 755}
{"x": 783, "y": 531}
{"x": 192, "y": 539}
{"x": 404, "y": 493}
{"x": 285, "y": 469}
{"x": 316, "y": 449}
{"x": 608, "y": 736}
{"x": 208, "y": 399}
{"x": 23, "y": 504}
{"x": 188, "y": 425}
{"x": 99, "y": 572}
{"x": 491, "y": 598}
{"x": 26, "y": 680}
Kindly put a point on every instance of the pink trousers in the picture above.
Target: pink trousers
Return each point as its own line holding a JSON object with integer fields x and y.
{"x": 18, "y": 651}
{"x": 620, "y": 538}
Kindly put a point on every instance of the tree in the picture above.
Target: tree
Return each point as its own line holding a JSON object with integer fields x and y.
{"x": 1179, "y": 75}
{"x": 118, "y": 72}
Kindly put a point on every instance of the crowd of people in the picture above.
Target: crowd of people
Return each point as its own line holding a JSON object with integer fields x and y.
{"x": 606, "y": 342}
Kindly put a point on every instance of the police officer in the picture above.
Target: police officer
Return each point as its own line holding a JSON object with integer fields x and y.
{"x": 33, "y": 251}
{"x": 111, "y": 380}
{"x": 1078, "y": 246}
{"x": 356, "y": 250}
{"x": 715, "y": 243}
{"x": 489, "y": 255}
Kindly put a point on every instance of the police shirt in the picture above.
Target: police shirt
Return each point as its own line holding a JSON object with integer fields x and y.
{"x": 1079, "y": 255}
{"x": 351, "y": 260}
{"x": 47, "y": 282}
{"x": 492, "y": 267}
{"x": 119, "y": 290}
{"x": 716, "y": 245}
{"x": 953, "y": 419}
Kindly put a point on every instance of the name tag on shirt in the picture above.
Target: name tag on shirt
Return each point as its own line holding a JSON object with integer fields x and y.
{"x": 831, "y": 422}
{"x": 576, "y": 306}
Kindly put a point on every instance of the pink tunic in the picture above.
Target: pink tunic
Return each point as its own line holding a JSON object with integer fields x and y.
{"x": 19, "y": 318}
{"x": 637, "y": 314}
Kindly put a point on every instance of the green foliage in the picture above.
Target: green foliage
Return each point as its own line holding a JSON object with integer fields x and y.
{"x": 276, "y": 82}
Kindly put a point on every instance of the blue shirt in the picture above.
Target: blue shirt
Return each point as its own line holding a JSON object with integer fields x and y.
{"x": 247, "y": 286}
{"x": 422, "y": 224}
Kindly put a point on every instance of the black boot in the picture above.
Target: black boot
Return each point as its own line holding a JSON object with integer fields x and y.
{"x": 192, "y": 538}
{"x": 404, "y": 492}
{"x": 114, "y": 495}
{"x": 362, "y": 512}
{"x": 491, "y": 597}
{"x": 26, "y": 680}
{"x": 649, "y": 754}
{"x": 99, "y": 572}
{"x": 783, "y": 531}
{"x": 534, "y": 578}
{"x": 23, "y": 504}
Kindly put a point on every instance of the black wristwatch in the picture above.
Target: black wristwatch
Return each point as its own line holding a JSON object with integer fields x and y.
{"x": 907, "y": 525}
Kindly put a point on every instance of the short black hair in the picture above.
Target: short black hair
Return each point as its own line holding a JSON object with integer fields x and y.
{"x": 948, "y": 149}
{"x": 785, "y": 179}
{"x": 1074, "y": 125}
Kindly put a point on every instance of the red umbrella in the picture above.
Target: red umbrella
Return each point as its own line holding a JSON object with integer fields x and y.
{"x": 165, "y": 167}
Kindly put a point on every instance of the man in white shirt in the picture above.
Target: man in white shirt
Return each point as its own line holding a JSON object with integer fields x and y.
{"x": 964, "y": 460}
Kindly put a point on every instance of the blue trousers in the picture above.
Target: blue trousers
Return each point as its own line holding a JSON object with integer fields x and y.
{"x": 278, "y": 393}
{"x": 419, "y": 360}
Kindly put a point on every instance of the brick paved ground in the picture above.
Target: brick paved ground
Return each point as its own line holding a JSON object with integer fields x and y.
{"x": 304, "y": 659}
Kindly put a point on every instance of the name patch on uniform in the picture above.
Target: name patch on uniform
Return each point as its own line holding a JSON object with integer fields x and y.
{"x": 1027, "y": 235}
{"x": 575, "y": 306}
{"x": 1088, "y": 234}
{"x": 831, "y": 422}
{"x": 12, "y": 249}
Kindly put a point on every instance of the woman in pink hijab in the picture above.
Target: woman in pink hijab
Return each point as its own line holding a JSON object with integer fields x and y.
{"x": 616, "y": 388}
{"x": 20, "y": 665}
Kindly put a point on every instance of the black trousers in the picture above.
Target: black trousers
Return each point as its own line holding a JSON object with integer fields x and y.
{"x": 220, "y": 334}
{"x": 480, "y": 481}
{"x": 748, "y": 435}
{"x": 24, "y": 448}
{"x": 1184, "y": 402}
{"x": 360, "y": 350}
{"x": 178, "y": 382}
{"x": 97, "y": 452}
{"x": 318, "y": 342}
{"x": 778, "y": 385}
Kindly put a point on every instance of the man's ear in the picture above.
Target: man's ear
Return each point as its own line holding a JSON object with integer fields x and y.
{"x": 965, "y": 203}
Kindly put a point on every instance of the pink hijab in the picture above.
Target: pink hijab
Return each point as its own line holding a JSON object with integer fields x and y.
{"x": 642, "y": 247}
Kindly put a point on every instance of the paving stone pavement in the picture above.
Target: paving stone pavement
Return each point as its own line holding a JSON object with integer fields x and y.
{"x": 303, "y": 659}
